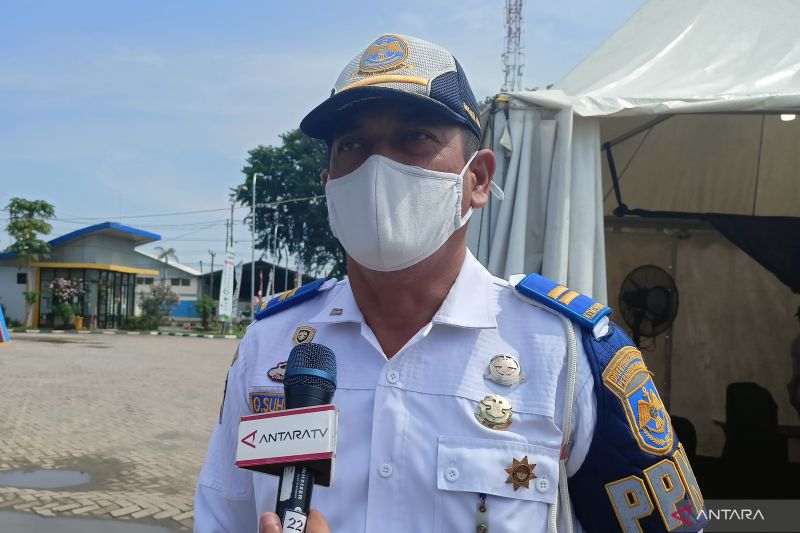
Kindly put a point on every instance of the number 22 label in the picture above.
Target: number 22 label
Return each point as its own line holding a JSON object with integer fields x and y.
{"x": 294, "y": 521}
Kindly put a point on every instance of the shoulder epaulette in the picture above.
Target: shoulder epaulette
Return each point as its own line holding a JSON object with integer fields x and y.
{"x": 293, "y": 297}
{"x": 579, "y": 307}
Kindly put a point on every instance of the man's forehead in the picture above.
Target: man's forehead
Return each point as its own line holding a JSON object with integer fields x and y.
{"x": 401, "y": 113}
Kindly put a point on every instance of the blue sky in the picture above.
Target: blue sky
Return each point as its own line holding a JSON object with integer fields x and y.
{"x": 114, "y": 109}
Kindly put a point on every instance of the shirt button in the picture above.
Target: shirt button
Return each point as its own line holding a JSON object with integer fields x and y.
{"x": 393, "y": 376}
{"x": 451, "y": 474}
{"x": 385, "y": 470}
{"x": 542, "y": 485}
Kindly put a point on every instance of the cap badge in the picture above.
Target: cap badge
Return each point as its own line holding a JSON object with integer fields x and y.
{"x": 276, "y": 372}
{"x": 505, "y": 369}
{"x": 303, "y": 335}
{"x": 520, "y": 473}
{"x": 494, "y": 412}
{"x": 387, "y": 52}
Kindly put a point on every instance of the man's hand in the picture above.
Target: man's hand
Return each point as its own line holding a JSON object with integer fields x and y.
{"x": 270, "y": 523}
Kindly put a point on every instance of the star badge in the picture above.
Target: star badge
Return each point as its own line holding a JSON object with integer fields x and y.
{"x": 520, "y": 473}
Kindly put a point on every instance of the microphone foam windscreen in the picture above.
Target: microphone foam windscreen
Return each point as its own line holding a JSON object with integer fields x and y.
{"x": 313, "y": 356}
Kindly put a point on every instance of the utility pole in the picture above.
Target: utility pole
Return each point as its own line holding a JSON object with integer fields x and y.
{"x": 253, "y": 249}
{"x": 512, "y": 56}
{"x": 233, "y": 203}
{"x": 212, "y": 253}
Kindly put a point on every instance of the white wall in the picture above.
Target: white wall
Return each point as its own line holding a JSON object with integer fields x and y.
{"x": 11, "y": 293}
{"x": 185, "y": 292}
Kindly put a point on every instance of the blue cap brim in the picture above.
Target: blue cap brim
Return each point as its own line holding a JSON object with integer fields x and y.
{"x": 321, "y": 122}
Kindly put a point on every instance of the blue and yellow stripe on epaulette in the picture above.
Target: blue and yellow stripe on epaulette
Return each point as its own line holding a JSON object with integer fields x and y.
{"x": 573, "y": 304}
{"x": 290, "y": 298}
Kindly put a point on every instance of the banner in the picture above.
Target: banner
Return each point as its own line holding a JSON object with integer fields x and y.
{"x": 238, "y": 278}
{"x": 226, "y": 288}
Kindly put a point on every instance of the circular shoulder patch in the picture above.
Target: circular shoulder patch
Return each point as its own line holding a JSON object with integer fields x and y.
{"x": 387, "y": 52}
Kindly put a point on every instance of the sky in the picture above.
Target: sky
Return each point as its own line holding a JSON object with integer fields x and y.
{"x": 126, "y": 109}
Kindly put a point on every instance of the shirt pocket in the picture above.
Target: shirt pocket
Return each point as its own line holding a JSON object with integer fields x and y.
{"x": 468, "y": 467}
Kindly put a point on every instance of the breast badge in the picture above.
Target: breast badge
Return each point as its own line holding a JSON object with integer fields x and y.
{"x": 504, "y": 369}
{"x": 520, "y": 473}
{"x": 494, "y": 412}
{"x": 303, "y": 335}
{"x": 276, "y": 372}
{"x": 628, "y": 378}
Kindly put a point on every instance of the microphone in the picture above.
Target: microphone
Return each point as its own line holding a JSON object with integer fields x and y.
{"x": 309, "y": 380}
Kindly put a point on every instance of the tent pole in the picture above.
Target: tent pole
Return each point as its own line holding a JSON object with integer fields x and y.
{"x": 621, "y": 208}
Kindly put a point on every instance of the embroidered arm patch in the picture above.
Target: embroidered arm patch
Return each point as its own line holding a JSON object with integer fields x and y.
{"x": 636, "y": 476}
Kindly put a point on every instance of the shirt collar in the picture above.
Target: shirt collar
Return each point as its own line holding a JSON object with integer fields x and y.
{"x": 341, "y": 308}
{"x": 467, "y": 305}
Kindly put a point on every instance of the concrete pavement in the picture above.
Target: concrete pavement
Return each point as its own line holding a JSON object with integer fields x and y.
{"x": 135, "y": 412}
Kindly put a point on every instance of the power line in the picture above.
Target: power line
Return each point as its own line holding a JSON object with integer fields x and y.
{"x": 178, "y": 213}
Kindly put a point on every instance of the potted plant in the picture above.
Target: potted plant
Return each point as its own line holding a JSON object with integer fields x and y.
{"x": 65, "y": 306}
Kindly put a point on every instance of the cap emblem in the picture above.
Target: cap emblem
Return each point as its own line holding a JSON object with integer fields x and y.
{"x": 387, "y": 52}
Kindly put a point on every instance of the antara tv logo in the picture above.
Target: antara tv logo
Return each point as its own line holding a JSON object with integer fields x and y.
{"x": 282, "y": 436}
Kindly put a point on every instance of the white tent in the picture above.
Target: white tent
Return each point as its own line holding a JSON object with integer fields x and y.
{"x": 690, "y": 93}
{"x": 687, "y": 95}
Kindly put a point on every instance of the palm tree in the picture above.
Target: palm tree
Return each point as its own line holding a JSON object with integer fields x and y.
{"x": 165, "y": 255}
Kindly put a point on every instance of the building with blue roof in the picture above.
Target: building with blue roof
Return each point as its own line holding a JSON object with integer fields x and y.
{"x": 114, "y": 274}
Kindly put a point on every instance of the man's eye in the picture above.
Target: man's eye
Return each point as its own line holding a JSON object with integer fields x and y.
{"x": 349, "y": 145}
{"x": 417, "y": 136}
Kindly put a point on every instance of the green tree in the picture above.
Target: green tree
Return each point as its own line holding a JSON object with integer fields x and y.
{"x": 27, "y": 219}
{"x": 205, "y": 308}
{"x": 286, "y": 173}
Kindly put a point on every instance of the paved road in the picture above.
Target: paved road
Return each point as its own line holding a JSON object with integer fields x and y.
{"x": 135, "y": 412}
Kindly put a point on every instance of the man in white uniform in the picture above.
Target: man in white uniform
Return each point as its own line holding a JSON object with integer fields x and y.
{"x": 453, "y": 385}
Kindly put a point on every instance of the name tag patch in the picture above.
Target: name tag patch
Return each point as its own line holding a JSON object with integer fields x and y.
{"x": 267, "y": 401}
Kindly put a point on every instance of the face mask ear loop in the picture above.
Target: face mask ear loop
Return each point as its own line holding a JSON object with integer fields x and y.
{"x": 469, "y": 162}
{"x": 465, "y": 218}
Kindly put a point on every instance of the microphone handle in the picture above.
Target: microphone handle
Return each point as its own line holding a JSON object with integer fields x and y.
{"x": 294, "y": 497}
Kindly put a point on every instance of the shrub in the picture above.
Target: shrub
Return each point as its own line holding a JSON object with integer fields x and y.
{"x": 159, "y": 302}
{"x": 205, "y": 308}
{"x": 140, "y": 323}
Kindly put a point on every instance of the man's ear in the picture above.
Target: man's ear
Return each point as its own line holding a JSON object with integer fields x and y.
{"x": 323, "y": 177}
{"x": 482, "y": 169}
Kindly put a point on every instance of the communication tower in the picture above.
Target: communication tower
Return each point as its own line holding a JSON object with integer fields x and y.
{"x": 513, "y": 56}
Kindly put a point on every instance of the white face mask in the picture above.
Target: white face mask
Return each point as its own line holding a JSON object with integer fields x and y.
{"x": 389, "y": 216}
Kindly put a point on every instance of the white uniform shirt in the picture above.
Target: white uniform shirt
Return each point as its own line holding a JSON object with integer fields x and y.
{"x": 411, "y": 455}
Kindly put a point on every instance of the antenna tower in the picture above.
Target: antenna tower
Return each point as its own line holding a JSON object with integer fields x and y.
{"x": 513, "y": 56}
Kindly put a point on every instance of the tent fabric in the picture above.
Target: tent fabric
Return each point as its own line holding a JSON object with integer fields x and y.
{"x": 723, "y": 71}
{"x": 694, "y": 56}
{"x": 551, "y": 221}
{"x": 774, "y": 242}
